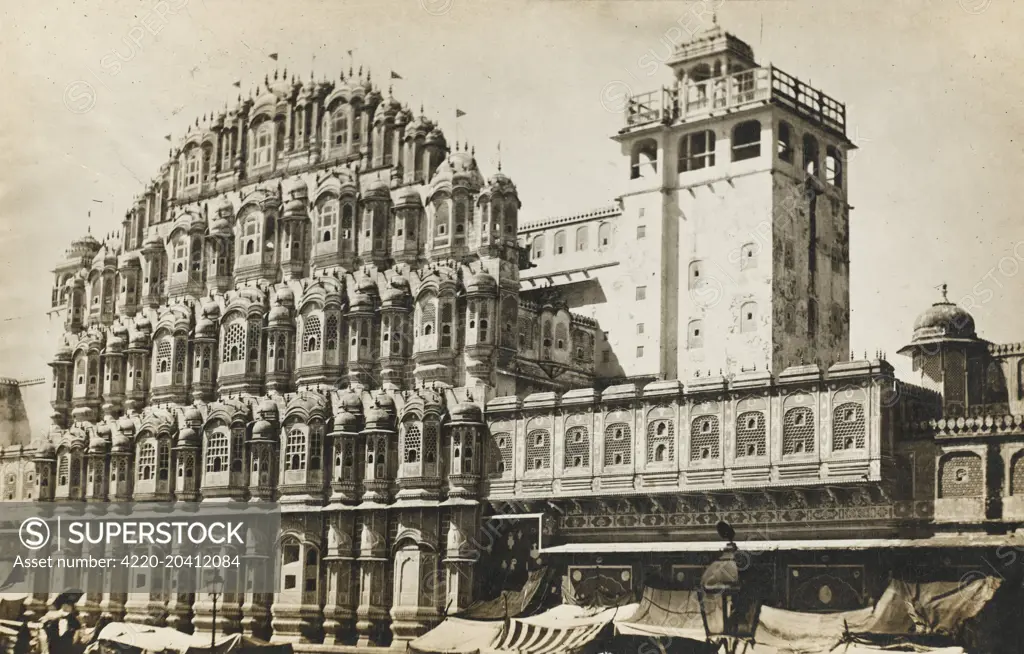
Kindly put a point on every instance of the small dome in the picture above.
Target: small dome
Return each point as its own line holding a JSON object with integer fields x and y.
{"x": 351, "y": 402}
{"x": 224, "y": 208}
{"x": 121, "y": 443}
{"x": 188, "y": 437}
{"x": 284, "y": 295}
{"x": 944, "y": 320}
{"x": 46, "y": 450}
{"x": 385, "y": 401}
{"x": 115, "y": 343}
{"x": 263, "y": 429}
{"x": 408, "y": 195}
{"x": 98, "y": 444}
{"x": 139, "y": 340}
{"x": 220, "y": 227}
{"x": 345, "y": 421}
{"x": 205, "y": 328}
{"x": 193, "y": 415}
{"x": 368, "y": 286}
{"x": 143, "y": 324}
{"x": 153, "y": 242}
{"x": 120, "y": 330}
{"x": 435, "y": 137}
{"x": 63, "y": 353}
{"x": 482, "y": 282}
{"x": 379, "y": 419}
{"x": 466, "y": 412}
{"x": 279, "y": 316}
{"x": 394, "y": 295}
{"x": 268, "y": 407}
{"x": 361, "y": 302}
{"x": 125, "y": 425}
{"x": 376, "y": 188}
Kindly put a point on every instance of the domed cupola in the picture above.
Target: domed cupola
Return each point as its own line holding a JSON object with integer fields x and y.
{"x": 465, "y": 172}
{"x": 351, "y": 402}
{"x": 297, "y": 193}
{"x": 481, "y": 283}
{"x": 376, "y": 189}
{"x": 279, "y": 316}
{"x": 153, "y": 243}
{"x": 346, "y": 422}
{"x": 100, "y": 441}
{"x": 188, "y": 437}
{"x": 206, "y": 326}
{"x": 121, "y": 443}
{"x": 466, "y": 413}
{"x": 63, "y": 353}
{"x": 408, "y": 196}
{"x": 379, "y": 419}
{"x": 942, "y": 322}
{"x": 396, "y": 294}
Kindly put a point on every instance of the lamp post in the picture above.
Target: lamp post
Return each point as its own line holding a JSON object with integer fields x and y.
{"x": 216, "y": 587}
{"x": 726, "y": 621}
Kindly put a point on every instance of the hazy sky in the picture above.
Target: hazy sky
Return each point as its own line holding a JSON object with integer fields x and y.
{"x": 932, "y": 89}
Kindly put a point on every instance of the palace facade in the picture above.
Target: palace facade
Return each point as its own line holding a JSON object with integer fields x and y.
{"x": 319, "y": 302}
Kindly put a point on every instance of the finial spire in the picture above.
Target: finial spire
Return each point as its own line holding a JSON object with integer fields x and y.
{"x": 944, "y": 289}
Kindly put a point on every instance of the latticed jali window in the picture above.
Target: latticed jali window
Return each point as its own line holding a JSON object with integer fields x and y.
{"x": 503, "y": 445}
{"x": 1017, "y": 476}
{"x": 164, "y": 460}
{"x": 411, "y": 444}
{"x": 848, "y": 427}
{"x": 331, "y": 335}
{"x": 750, "y": 434}
{"x": 798, "y": 431}
{"x": 234, "y": 342}
{"x": 538, "y": 449}
{"x": 311, "y": 334}
{"x": 618, "y": 445}
{"x": 430, "y": 442}
{"x": 163, "y": 356}
{"x": 705, "y": 438}
{"x": 961, "y": 476}
{"x": 577, "y": 447}
{"x": 661, "y": 441}
{"x": 295, "y": 450}
{"x": 147, "y": 461}
{"x": 217, "y": 452}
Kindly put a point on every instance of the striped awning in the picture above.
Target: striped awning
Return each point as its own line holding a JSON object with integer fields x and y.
{"x": 562, "y": 629}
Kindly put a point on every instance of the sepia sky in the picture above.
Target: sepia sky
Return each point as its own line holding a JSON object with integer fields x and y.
{"x": 933, "y": 92}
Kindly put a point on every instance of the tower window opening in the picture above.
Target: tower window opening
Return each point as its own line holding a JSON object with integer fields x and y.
{"x": 833, "y": 167}
{"x": 560, "y": 242}
{"x": 537, "y": 249}
{"x": 785, "y": 142}
{"x": 696, "y": 151}
{"x": 746, "y": 140}
{"x": 810, "y": 164}
{"x": 644, "y": 160}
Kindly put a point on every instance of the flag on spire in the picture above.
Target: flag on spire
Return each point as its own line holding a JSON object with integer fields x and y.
{"x": 395, "y": 75}
{"x": 273, "y": 55}
{"x": 237, "y": 84}
{"x": 167, "y": 137}
{"x": 459, "y": 112}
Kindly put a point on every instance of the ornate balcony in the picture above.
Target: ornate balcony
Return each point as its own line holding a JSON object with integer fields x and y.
{"x": 697, "y": 100}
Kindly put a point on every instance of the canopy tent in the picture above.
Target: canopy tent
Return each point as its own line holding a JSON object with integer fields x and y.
{"x": 513, "y": 603}
{"x": 171, "y": 641}
{"x": 904, "y": 610}
{"x": 565, "y": 628}
{"x": 457, "y": 636}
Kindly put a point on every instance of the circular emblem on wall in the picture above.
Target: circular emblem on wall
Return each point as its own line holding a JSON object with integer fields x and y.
{"x": 825, "y": 594}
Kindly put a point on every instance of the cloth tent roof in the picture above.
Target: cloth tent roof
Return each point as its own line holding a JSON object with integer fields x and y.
{"x": 565, "y": 628}
{"x": 512, "y": 603}
{"x": 457, "y": 636}
{"x": 904, "y": 610}
{"x": 164, "y": 639}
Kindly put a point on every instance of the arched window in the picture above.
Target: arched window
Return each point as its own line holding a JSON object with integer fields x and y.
{"x": 746, "y": 140}
{"x": 538, "y": 449}
{"x": 695, "y": 334}
{"x": 561, "y": 337}
{"x": 428, "y": 315}
{"x": 263, "y": 145}
{"x": 295, "y": 449}
{"x": 163, "y": 355}
{"x": 234, "y": 342}
{"x": 146, "y": 466}
{"x": 751, "y": 439}
{"x": 694, "y": 274}
{"x": 560, "y": 241}
{"x": 696, "y": 151}
{"x": 446, "y": 325}
{"x": 347, "y": 212}
{"x": 441, "y": 218}
{"x": 785, "y": 142}
{"x": 644, "y": 160}
{"x": 339, "y": 127}
{"x": 798, "y": 431}
{"x": 412, "y": 442}
{"x": 582, "y": 234}
{"x": 748, "y": 317}
{"x": 618, "y": 444}
{"x": 810, "y": 155}
{"x": 604, "y": 235}
{"x": 217, "y": 452}
{"x": 311, "y": 334}
{"x": 192, "y": 167}
{"x": 328, "y": 220}
{"x": 537, "y": 247}
{"x": 704, "y": 438}
{"x": 833, "y": 167}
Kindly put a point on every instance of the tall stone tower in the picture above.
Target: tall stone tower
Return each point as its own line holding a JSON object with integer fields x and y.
{"x": 736, "y": 206}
